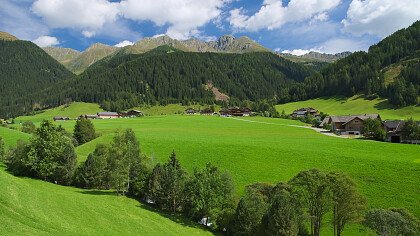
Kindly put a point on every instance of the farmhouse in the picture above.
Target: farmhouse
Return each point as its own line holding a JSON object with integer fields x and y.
{"x": 88, "y": 117}
{"x": 235, "y": 111}
{"x": 190, "y": 111}
{"x": 352, "y": 124}
{"x": 60, "y": 118}
{"x": 131, "y": 113}
{"x": 207, "y": 111}
{"x": 108, "y": 115}
{"x": 302, "y": 112}
{"x": 393, "y": 130}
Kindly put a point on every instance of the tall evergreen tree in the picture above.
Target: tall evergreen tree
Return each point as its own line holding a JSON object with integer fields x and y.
{"x": 84, "y": 131}
{"x": 167, "y": 183}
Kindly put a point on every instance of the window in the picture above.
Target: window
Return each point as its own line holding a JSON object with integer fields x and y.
{"x": 356, "y": 121}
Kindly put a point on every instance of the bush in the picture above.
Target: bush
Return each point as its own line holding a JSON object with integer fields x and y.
{"x": 28, "y": 127}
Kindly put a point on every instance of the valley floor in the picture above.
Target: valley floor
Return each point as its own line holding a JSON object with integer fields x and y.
{"x": 259, "y": 150}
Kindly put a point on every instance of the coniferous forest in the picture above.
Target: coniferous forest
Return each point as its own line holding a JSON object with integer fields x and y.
{"x": 32, "y": 80}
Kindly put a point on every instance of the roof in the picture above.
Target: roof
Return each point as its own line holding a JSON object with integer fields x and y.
{"x": 135, "y": 111}
{"x": 324, "y": 121}
{"x": 394, "y": 124}
{"x": 107, "y": 113}
{"x": 346, "y": 119}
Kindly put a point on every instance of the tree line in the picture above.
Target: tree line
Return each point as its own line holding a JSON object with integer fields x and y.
{"x": 297, "y": 207}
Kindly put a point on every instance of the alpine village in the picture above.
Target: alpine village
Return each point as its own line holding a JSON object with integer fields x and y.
{"x": 183, "y": 133}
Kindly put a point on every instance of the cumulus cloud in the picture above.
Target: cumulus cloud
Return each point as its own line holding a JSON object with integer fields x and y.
{"x": 46, "y": 41}
{"x": 273, "y": 14}
{"x": 123, "y": 44}
{"x": 380, "y": 17}
{"x": 88, "y": 16}
{"x": 182, "y": 16}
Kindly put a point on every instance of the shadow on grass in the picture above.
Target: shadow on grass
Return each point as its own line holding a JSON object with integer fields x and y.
{"x": 176, "y": 217}
{"x": 98, "y": 192}
{"x": 384, "y": 105}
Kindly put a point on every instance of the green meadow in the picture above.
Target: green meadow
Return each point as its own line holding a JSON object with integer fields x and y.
{"x": 353, "y": 106}
{"x": 269, "y": 150}
{"x": 72, "y": 111}
{"x": 34, "y": 207}
{"x": 11, "y": 136}
{"x": 253, "y": 149}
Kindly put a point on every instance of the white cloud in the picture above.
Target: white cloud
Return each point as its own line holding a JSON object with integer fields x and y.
{"x": 300, "y": 52}
{"x": 182, "y": 16}
{"x": 273, "y": 14}
{"x": 337, "y": 45}
{"x": 123, "y": 44}
{"x": 380, "y": 17}
{"x": 46, "y": 41}
{"x": 88, "y": 16}
{"x": 88, "y": 34}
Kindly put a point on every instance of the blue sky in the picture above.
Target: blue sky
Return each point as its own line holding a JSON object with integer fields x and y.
{"x": 295, "y": 26}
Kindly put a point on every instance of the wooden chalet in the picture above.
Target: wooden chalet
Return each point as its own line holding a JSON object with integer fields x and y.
{"x": 207, "y": 111}
{"x": 91, "y": 117}
{"x": 350, "y": 125}
{"x": 131, "y": 114}
{"x": 302, "y": 112}
{"x": 190, "y": 111}
{"x": 108, "y": 115}
{"x": 235, "y": 111}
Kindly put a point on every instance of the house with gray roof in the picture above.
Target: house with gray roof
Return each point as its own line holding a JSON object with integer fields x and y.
{"x": 348, "y": 125}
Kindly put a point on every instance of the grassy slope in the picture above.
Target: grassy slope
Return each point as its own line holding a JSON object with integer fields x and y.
{"x": 353, "y": 105}
{"x": 169, "y": 109}
{"x": 73, "y": 111}
{"x": 388, "y": 174}
{"x": 33, "y": 207}
{"x": 10, "y": 136}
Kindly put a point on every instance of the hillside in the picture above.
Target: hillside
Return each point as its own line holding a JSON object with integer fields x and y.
{"x": 91, "y": 55}
{"x": 11, "y": 136}
{"x": 7, "y": 36}
{"x": 78, "y": 62}
{"x": 34, "y": 207}
{"x": 354, "y": 105}
{"x": 315, "y": 56}
{"x": 72, "y": 111}
{"x": 168, "y": 75}
{"x": 363, "y": 72}
{"x": 25, "y": 72}
{"x": 63, "y": 55}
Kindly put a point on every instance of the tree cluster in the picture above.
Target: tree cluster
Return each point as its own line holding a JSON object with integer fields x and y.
{"x": 372, "y": 129}
{"x": 287, "y": 208}
{"x": 118, "y": 166}
{"x": 49, "y": 155}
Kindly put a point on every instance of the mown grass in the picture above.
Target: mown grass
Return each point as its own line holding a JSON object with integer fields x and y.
{"x": 354, "y": 105}
{"x": 34, "y": 207}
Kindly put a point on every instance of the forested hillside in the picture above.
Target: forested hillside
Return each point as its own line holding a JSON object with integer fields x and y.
{"x": 25, "y": 72}
{"x": 166, "y": 75}
{"x": 363, "y": 72}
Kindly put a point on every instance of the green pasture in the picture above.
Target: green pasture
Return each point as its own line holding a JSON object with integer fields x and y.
{"x": 11, "y": 136}
{"x": 269, "y": 150}
{"x": 353, "y": 106}
{"x": 72, "y": 111}
{"x": 34, "y": 207}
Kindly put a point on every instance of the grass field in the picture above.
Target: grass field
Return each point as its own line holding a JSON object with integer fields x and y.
{"x": 34, "y": 207}
{"x": 267, "y": 150}
{"x": 353, "y": 105}
{"x": 72, "y": 111}
{"x": 260, "y": 149}
{"x": 10, "y": 136}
